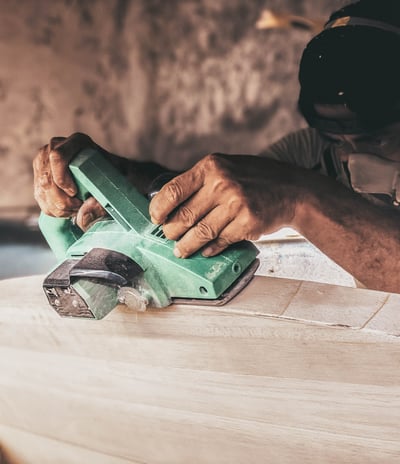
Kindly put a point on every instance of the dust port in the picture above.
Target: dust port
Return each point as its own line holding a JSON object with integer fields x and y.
{"x": 203, "y": 290}
{"x": 236, "y": 268}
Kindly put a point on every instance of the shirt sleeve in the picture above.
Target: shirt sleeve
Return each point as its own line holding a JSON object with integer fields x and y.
{"x": 304, "y": 148}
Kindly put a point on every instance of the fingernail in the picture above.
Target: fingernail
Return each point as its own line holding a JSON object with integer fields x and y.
{"x": 207, "y": 252}
{"x": 177, "y": 253}
{"x": 153, "y": 220}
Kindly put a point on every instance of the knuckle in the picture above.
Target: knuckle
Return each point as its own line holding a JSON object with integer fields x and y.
{"x": 223, "y": 242}
{"x": 186, "y": 216}
{"x": 42, "y": 181}
{"x": 214, "y": 157}
{"x": 59, "y": 210}
{"x": 39, "y": 158}
{"x": 173, "y": 192}
{"x": 235, "y": 204}
{"x": 204, "y": 231}
{"x": 212, "y": 160}
{"x": 223, "y": 185}
{"x": 61, "y": 181}
{"x": 56, "y": 156}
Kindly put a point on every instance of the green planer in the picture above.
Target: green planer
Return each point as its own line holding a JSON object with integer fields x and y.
{"x": 125, "y": 258}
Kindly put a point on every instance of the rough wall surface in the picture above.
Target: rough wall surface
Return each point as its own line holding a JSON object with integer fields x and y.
{"x": 162, "y": 80}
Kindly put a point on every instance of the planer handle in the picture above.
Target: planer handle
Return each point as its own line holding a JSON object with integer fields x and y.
{"x": 95, "y": 176}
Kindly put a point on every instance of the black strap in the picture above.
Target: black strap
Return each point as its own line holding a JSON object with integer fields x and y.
{"x": 329, "y": 164}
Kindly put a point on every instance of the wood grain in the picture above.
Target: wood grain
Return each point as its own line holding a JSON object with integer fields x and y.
{"x": 194, "y": 385}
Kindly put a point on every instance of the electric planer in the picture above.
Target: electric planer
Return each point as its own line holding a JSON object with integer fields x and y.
{"x": 124, "y": 258}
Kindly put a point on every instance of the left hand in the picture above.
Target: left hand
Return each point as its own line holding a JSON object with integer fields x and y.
{"x": 54, "y": 188}
{"x": 224, "y": 199}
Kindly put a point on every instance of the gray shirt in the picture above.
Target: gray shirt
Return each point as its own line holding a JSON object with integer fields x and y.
{"x": 308, "y": 149}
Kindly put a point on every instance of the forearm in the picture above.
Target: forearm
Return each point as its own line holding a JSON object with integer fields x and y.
{"x": 362, "y": 238}
{"x": 224, "y": 199}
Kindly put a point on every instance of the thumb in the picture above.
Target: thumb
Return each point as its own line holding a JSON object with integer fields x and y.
{"x": 90, "y": 211}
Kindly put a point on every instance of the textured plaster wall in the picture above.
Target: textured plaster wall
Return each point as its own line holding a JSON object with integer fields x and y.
{"x": 162, "y": 80}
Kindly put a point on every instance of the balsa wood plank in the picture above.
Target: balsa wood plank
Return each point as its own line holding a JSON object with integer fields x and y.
{"x": 25, "y": 447}
{"x": 190, "y": 384}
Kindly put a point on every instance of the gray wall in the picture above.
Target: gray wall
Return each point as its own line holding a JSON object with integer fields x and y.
{"x": 162, "y": 80}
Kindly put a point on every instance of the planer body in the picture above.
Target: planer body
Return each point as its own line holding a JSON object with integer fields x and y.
{"x": 125, "y": 258}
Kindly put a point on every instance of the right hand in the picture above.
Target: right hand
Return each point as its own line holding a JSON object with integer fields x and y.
{"x": 54, "y": 188}
{"x": 224, "y": 199}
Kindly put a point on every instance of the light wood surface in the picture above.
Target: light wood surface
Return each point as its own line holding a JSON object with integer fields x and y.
{"x": 194, "y": 385}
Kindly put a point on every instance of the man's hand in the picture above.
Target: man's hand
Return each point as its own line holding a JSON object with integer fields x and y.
{"x": 54, "y": 188}
{"x": 224, "y": 199}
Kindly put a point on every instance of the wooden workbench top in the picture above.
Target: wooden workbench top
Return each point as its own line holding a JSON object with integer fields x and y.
{"x": 197, "y": 385}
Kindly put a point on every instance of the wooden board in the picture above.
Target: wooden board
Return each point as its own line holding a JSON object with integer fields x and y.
{"x": 197, "y": 385}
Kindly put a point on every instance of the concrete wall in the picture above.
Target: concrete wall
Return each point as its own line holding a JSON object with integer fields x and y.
{"x": 162, "y": 80}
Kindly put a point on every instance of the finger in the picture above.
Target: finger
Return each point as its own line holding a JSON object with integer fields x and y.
{"x": 204, "y": 232}
{"x": 187, "y": 215}
{"x": 61, "y": 152}
{"x": 90, "y": 210}
{"x": 40, "y": 163}
{"x": 175, "y": 192}
{"x": 227, "y": 237}
{"x": 63, "y": 206}
{"x": 55, "y": 202}
{"x": 234, "y": 232}
{"x": 52, "y": 200}
{"x": 58, "y": 161}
